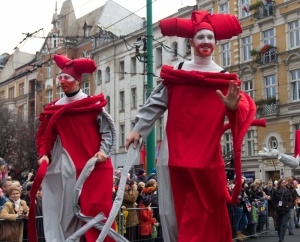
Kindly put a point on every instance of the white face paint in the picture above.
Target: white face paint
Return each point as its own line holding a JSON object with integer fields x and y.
{"x": 204, "y": 43}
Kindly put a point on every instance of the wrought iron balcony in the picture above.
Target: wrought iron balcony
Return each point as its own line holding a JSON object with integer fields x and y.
{"x": 267, "y": 107}
{"x": 264, "y": 10}
{"x": 267, "y": 57}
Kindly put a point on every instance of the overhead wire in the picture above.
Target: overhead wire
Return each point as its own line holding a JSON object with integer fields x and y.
{"x": 166, "y": 48}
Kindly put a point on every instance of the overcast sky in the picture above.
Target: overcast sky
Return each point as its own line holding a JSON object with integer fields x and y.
{"x": 19, "y": 17}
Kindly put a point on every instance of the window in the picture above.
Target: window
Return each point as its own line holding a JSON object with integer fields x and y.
{"x": 54, "y": 41}
{"x": 187, "y": 46}
{"x": 11, "y": 92}
{"x": 59, "y": 92}
{"x": 160, "y": 128}
{"x": 246, "y": 47}
{"x": 244, "y": 10}
{"x": 227, "y": 144}
{"x": 21, "y": 112}
{"x": 295, "y": 82}
{"x": 273, "y": 142}
{"x": 223, "y": 8}
{"x": 158, "y": 55}
{"x": 121, "y": 70}
{"x": 86, "y": 88}
{"x": 133, "y": 66}
{"x": 49, "y": 96}
{"x": 122, "y": 134}
{"x": 49, "y": 72}
{"x": 250, "y": 141}
{"x": 294, "y": 34}
{"x": 296, "y": 127}
{"x": 99, "y": 77}
{"x": 21, "y": 89}
{"x": 225, "y": 54}
{"x": 133, "y": 97}
{"x": 174, "y": 50}
{"x": 86, "y": 31}
{"x": 2, "y": 95}
{"x": 270, "y": 84}
{"x": 122, "y": 101}
{"x": 268, "y": 37}
{"x": 248, "y": 88}
{"x": 107, "y": 74}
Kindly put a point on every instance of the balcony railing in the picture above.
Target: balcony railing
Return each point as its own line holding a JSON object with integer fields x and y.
{"x": 268, "y": 108}
{"x": 264, "y": 10}
{"x": 267, "y": 57}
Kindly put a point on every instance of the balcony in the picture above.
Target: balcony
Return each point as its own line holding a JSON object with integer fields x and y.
{"x": 269, "y": 106}
{"x": 263, "y": 57}
{"x": 267, "y": 57}
{"x": 262, "y": 10}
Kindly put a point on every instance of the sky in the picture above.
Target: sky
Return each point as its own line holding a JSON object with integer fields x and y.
{"x": 19, "y": 17}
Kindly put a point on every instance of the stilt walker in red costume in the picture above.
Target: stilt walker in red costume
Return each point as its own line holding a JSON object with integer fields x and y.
{"x": 198, "y": 94}
{"x": 74, "y": 129}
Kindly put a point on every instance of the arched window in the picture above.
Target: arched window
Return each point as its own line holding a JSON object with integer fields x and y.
{"x": 107, "y": 74}
{"x": 99, "y": 77}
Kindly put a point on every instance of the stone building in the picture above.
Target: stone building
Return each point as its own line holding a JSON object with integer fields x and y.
{"x": 265, "y": 56}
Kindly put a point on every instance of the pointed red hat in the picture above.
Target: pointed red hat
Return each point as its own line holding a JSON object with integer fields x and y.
{"x": 224, "y": 26}
{"x": 75, "y": 68}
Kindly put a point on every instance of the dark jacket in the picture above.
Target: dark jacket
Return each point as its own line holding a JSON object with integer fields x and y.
{"x": 283, "y": 200}
{"x": 270, "y": 192}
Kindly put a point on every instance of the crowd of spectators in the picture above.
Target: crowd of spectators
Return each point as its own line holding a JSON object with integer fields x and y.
{"x": 258, "y": 201}
{"x": 140, "y": 202}
{"x": 14, "y": 206}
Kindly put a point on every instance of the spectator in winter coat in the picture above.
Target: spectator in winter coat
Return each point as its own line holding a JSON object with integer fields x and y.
{"x": 269, "y": 191}
{"x": 146, "y": 219}
{"x": 13, "y": 209}
{"x": 283, "y": 200}
{"x": 129, "y": 202}
{"x": 141, "y": 176}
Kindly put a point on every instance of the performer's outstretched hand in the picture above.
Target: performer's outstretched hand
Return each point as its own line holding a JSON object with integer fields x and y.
{"x": 101, "y": 156}
{"x": 45, "y": 158}
{"x": 233, "y": 96}
{"x": 132, "y": 137}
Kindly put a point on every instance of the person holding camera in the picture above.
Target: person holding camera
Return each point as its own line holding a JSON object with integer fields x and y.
{"x": 14, "y": 211}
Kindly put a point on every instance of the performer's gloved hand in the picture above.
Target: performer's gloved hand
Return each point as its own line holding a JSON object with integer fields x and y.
{"x": 272, "y": 154}
{"x": 132, "y": 137}
{"x": 45, "y": 158}
{"x": 233, "y": 96}
{"x": 101, "y": 156}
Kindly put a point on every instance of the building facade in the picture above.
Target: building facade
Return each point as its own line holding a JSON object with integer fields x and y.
{"x": 265, "y": 56}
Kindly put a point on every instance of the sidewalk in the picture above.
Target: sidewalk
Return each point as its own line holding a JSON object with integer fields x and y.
{"x": 271, "y": 235}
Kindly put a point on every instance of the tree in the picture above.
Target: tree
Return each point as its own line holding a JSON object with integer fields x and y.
{"x": 17, "y": 139}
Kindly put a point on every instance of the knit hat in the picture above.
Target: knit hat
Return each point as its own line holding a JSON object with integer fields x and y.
{"x": 224, "y": 26}
{"x": 141, "y": 172}
{"x": 75, "y": 68}
{"x": 146, "y": 200}
{"x": 153, "y": 170}
{"x": 2, "y": 162}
